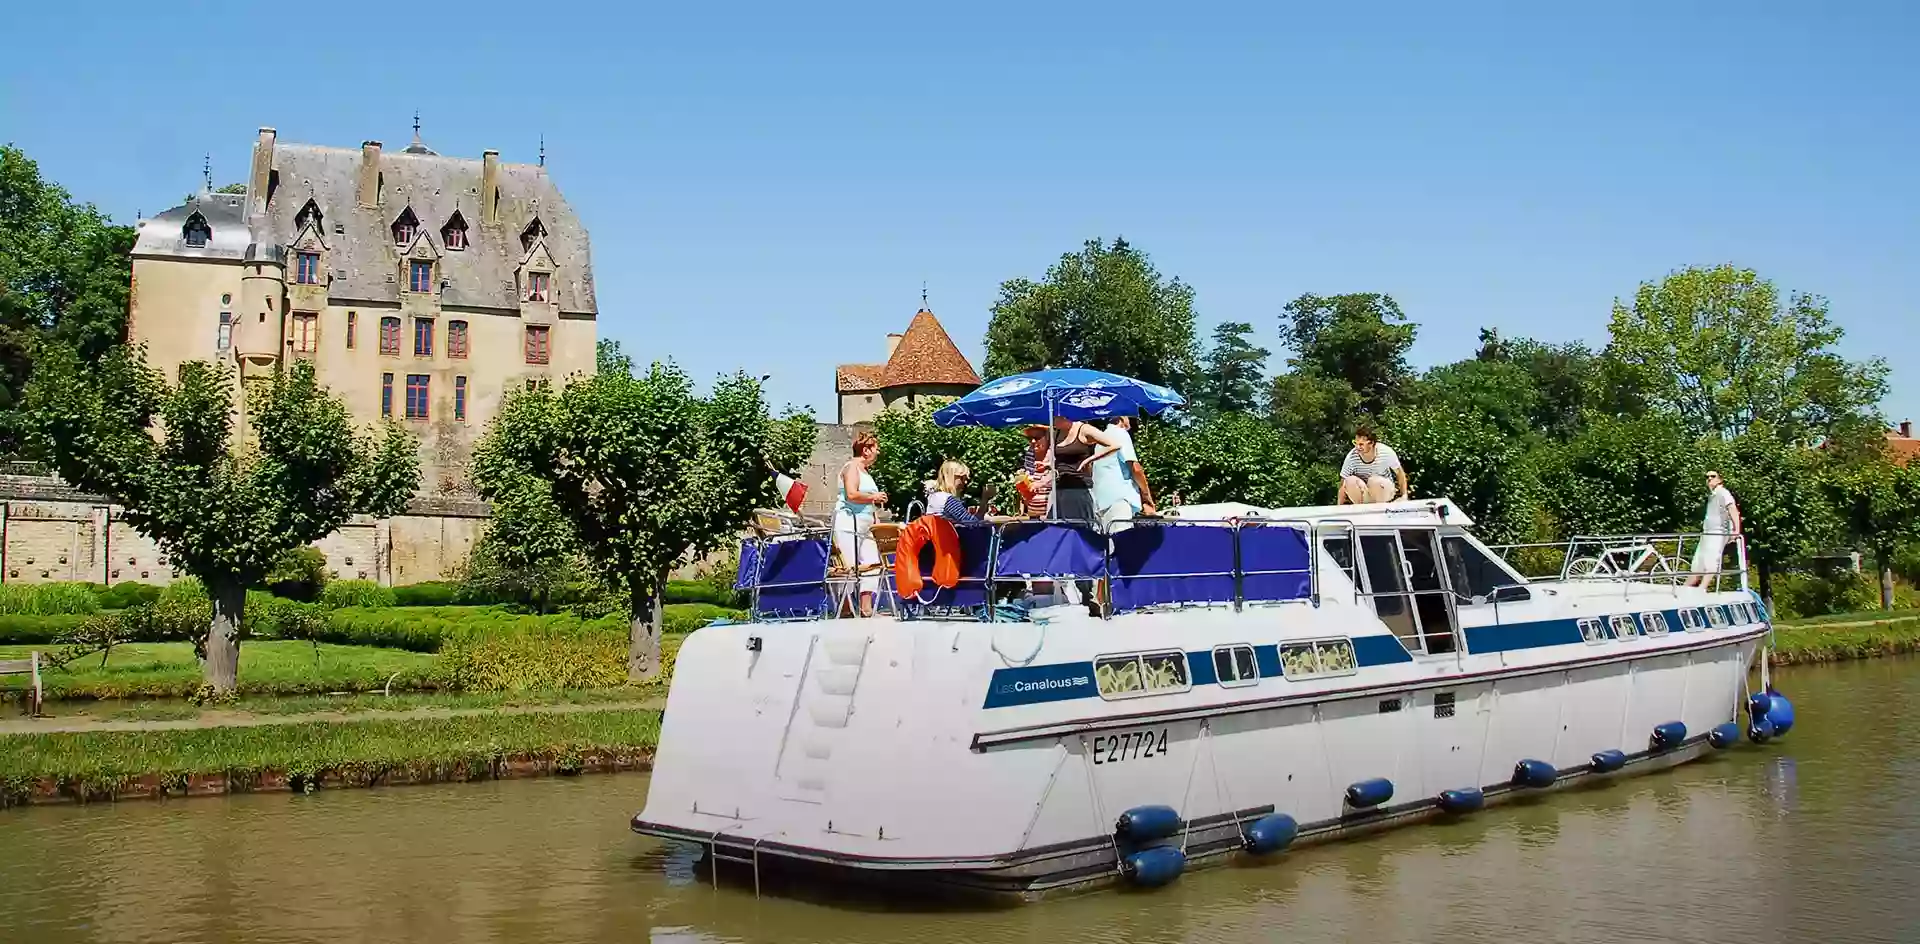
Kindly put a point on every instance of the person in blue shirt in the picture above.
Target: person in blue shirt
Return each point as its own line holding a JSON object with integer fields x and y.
{"x": 1120, "y": 489}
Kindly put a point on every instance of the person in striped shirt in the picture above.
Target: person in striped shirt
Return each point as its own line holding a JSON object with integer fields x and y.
{"x": 1034, "y": 462}
{"x": 1371, "y": 472}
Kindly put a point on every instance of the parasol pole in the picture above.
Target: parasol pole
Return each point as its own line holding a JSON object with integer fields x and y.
{"x": 1053, "y": 452}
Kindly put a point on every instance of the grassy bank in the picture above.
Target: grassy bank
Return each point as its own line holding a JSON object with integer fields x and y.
{"x": 91, "y": 766}
{"x": 267, "y": 667}
{"x": 1835, "y": 640}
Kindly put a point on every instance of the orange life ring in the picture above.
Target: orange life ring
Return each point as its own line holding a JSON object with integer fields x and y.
{"x": 925, "y": 530}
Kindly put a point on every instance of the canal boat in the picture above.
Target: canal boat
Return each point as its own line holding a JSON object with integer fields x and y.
{"x": 1263, "y": 678}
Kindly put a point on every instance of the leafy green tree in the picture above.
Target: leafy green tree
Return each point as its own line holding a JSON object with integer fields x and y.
{"x": 1234, "y": 372}
{"x": 1105, "y": 308}
{"x": 1227, "y": 457}
{"x": 1500, "y": 391}
{"x": 1877, "y": 502}
{"x": 1360, "y": 338}
{"x": 1458, "y": 454}
{"x": 1782, "y": 512}
{"x": 1718, "y": 347}
{"x": 225, "y": 511}
{"x": 64, "y": 276}
{"x": 912, "y": 448}
{"x": 638, "y": 471}
{"x": 1624, "y": 476}
{"x": 1315, "y": 413}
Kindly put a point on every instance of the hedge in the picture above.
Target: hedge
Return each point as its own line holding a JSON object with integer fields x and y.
{"x": 430, "y": 593}
{"x": 701, "y": 591}
{"x": 47, "y": 599}
{"x": 16, "y": 630}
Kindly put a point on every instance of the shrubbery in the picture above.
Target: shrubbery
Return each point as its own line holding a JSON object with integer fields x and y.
{"x": 1803, "y": 594}
{"x": 543, "y": 656}
{"x": 47, "y": 599}
{"x": 125, "y": 594}
{"x": 300, "y": 574}
{"x": 22, "y": 630}
{"x": 703, "y": 591}
{"x": 431, "y": 593}
{"x": 358, "y": 593}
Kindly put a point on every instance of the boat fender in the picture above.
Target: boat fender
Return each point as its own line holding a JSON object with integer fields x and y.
{"x": 921, "y": 532}
{"x": 1147, "y": 823}
{"x": 1608, "y": 761}
{"x": 1462, "y": 801}
{"x": 1370, "y": 793}
{"x": 1270, "y": 833}
{"x": 1534, "y": 773}
{"x": 1668, "y": 736}
{"x": 1758, "y": 704}
{"x": 1761, "y": 731}
{"x": 1780, "y": 713}
{"x": 1724, "y": 736}
{"x": 1151, "y": 868}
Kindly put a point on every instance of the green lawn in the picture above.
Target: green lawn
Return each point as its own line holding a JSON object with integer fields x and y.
{"x": 1862, "y": 616}
{"x": 267, "y": 667}
{"x": 1824, "y": 642}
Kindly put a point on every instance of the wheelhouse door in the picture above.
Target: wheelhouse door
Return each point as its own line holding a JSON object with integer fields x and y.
{"x": 1432, "y": 598}
{"x": 1383, "y": 565}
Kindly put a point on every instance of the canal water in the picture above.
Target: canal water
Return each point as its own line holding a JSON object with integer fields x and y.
{"x": 1816, "y": 838}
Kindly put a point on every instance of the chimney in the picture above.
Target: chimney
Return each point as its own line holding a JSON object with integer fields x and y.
{"x": 893, "y": 343}
{"x": 490, "y": 186}
{"x": 261, "y": 174}
{"x": 369, "y": 189}
{"x": 1906, "y": 429}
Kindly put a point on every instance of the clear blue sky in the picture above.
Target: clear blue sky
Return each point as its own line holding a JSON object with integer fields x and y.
{"x": 768, "y": 186}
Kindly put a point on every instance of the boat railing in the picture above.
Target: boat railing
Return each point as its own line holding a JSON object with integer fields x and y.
{"x": 1661, "y": 559}
{"x": 1150, "y": 564}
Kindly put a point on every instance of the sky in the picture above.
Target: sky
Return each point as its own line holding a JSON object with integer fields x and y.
{"x": 768, "y": 187}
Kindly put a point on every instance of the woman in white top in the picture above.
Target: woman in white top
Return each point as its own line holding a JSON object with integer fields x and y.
{"x": 853, "y": 518}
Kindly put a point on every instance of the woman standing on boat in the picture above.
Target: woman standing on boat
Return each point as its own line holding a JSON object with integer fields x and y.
{"x": 1076, "y": 446}
{"x": 853, "y": 518}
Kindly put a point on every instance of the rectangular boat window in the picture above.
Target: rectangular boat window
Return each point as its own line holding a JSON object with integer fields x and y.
{"x": 1153, "y": 673}
{"x": 1689, "y": 620}
{"x": 1341, "y": 550}
{"x": 1592, "y": 631}
{"x": 1476, "y": 577}
{"x": 1299, "y": 661}
{"x": 1655, "y": 623}
{"x": 1336, "y": 656}
{"x": 1745, "y": 612}
{"x": 1623, "y": 627}
{"x": 1386, "y": 575}
{"x": 1717, "y": 616}
{"x": 1235, "y": 666}
{"x": 1323, "y": 657}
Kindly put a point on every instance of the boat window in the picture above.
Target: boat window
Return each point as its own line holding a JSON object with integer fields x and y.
{"x": 1300, "y": 660}
{"x": 1431, "y": 601}
{"x": 1623, "y": 627}
{"x": 1152, "y": 673}
{"x": 1341, "y": 550}
{"x": 1235, "y": 665}
{"x": 1476, "y": 576}
{"x": 1689, "y": 621}
{"x": 1655, "y": 623}
{"x": 1385, "y": 569}
{"x": 1592, "y": 631}
{"x": 1717, "y": 616}
{"x": 1745, "y": 612}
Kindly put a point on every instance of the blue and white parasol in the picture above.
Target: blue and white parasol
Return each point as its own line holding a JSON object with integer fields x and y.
{"x": 1037, "y": 397}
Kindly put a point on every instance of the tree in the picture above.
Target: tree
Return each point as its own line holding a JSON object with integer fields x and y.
{"x": 225, "y": 511}
{"x": 1782, "y": 512}
{"x": 1500, "y": 391}
{"x": 1359, "y": 338}
{"x": 1877, "y": 503}
{"x": 912, "y": 447}
{"x": 1456, "y": 453}
{"x": 1315, "y": 413}
{"x": 1717, "y": 347}
{"x": 1234, "y": 368}
{"x": 64, "y": 276}
{"x": 1104, "y": 308}
{"x": 1624, "y": 476}
{"x": 636, "y": 470}
{"x": 1227, "y": 457}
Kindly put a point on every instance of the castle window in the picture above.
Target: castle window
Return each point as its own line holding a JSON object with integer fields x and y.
{"x": 224, "y": 339}
{"x": 390, "y": 336}
{"x": 534, "y": 232}
{"x": 309, "y": 215}
{"x": 308, "y": 268}
{"x": 305, "y": 332}
{"x": 537, "y": 349}
{"x": 353, "y": 319}
{"x": 456, "y": 339}
{"x": 417, "y": 396}
{"x": 405, "y": 227}
{"x": 538, "y": 286}
{"x": 386, "y": 394}
{"x": 454, "y": 234}
{"x": 423, "y": 337}
{"x": 420, "y": 276}
{"x": 196, "y": 232}
{"x": 460, "y": 399}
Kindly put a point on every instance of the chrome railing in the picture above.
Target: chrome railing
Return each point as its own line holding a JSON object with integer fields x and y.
{"x": 1665, "y": 559}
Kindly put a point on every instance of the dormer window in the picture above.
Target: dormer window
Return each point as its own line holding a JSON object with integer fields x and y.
{"x": 532, "y": 234}
{"x": 309, "y": 215}
{"x": 454, "y": 234}
{"x": 420, "y": 276}
{"x": 307, "y": 268}
{"x": 196, "y": 232}
{"x": 539, "y": 286}
{"x": 405, "y": 228}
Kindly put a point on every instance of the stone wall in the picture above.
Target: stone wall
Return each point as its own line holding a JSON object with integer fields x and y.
{"x": 51, "y": 532}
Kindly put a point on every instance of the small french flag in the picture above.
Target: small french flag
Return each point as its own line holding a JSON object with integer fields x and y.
{"x": 791, "y": 492}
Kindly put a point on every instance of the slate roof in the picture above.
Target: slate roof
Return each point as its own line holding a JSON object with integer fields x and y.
{"x": 926, "y": 355}
{"x": 362, "y": 258}
{"x": 226, "y": 215}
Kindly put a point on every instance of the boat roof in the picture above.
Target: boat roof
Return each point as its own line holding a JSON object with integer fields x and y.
{"x": 1426, "y": 511}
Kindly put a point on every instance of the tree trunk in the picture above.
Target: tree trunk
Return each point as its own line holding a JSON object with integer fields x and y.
{"x": 222, "y": 666}
{"x": 1886, "y": 586}
{"x": 643, "y": 634}
{"x": 1766, "y": 585}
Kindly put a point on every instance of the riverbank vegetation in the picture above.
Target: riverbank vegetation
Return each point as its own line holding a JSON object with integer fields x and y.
{"x": 1839, "y": 638}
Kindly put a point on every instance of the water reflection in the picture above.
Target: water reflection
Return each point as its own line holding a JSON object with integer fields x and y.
{"x": 1814, "y": 838}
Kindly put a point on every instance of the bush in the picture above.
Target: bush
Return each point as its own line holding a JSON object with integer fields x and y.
{"x": 183, "y": 590}
{"x": 589, "y": 655}
{"x": 361, "y": 593}
{"x": 299, "y": 574}
{"x": 126, "y": 594}
{"x": 1797, "y": 595}
{"x": 703, "y": 591}
{"x": 22, "y": 630}
{"x": 47, "y": 599}
{"x": 687, "y": 617}
{"x": 273, "y": 617}
{"x": 429, "y": 593}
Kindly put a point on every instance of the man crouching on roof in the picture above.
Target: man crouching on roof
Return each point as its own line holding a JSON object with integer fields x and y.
{"x": 1372, "y": 472}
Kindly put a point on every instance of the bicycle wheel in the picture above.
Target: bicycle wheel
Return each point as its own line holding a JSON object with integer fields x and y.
{"x": 1585, "y": 567}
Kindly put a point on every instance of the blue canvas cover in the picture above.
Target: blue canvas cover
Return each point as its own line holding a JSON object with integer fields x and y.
{"x": 1273, "y": 563}
{"x": 792, "y": 577}
{"x": 1051, "y": 549}
{"x": 1159, "y": 564}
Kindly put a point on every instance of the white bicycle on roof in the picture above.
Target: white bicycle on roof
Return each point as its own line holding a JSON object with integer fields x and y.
{"x": 1623, "y": 560}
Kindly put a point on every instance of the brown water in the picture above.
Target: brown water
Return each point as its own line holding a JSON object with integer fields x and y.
{"x": 1816, "y": 838}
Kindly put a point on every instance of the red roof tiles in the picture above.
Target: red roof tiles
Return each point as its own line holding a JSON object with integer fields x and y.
{"x": 1902, "y": 449}
{"x": 925, "y": 355}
